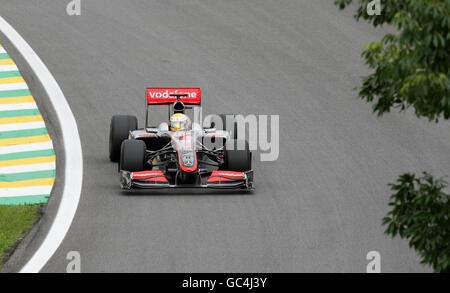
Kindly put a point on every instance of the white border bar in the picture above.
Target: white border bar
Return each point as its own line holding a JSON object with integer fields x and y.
{"x": 26, "y": 147}
{"x": 25, "y": 191}
{"x": 13, "y": 86}
{"x": 18, "y": 106}
{"x": 8, "y": 67}
{"x": 27, "y": 168}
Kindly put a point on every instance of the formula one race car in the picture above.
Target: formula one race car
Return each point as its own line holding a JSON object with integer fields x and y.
{"x": 178, "y": 153}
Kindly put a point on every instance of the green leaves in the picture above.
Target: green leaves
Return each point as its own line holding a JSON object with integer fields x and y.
{"x": 420, "y": 212}
{"x": 411, "y": 67}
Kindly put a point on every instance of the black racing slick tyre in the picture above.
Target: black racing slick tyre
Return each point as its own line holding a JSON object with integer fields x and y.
{"x": 120, "y": 127}
{"x": 238, "y": 156}
{"x": 132, "y": 155}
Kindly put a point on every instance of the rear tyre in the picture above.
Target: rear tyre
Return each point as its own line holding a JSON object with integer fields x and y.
{"x": 238, "y": 156}
{"x": 132, "y": 155}
{"x": 119, "y": 130}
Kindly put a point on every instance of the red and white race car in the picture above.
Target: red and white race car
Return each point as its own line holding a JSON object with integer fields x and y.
{"x": 160, "y": 157}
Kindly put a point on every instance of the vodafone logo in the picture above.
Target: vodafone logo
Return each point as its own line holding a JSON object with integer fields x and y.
{"x": 163, "y": 95}
{"x": 166, "y": 94}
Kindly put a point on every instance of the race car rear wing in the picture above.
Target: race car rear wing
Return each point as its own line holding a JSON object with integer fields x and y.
{"x": 168, "y": 96}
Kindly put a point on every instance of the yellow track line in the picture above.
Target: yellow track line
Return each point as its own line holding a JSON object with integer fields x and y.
{"x": 23, "y": 119}
{"x": 28, "y": 183}
{"x": 28, "y": 161}
{"x": 17, "y": 79}
{"x": 17, "y": 100}
{"x": 24, "y": 140}
{"x": 7, "y": 62}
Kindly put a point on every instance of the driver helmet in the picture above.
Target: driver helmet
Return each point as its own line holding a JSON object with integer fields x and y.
{"x": 179, "y": 121}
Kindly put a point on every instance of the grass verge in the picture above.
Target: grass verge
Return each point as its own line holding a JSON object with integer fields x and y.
{"x": 15, "y": 223}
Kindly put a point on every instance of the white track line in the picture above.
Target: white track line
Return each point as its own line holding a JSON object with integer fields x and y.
{"x": 8, "y": 67}
{"x": 20, "y": 106}
{"x": 13, "y": 86}
{"x": 25, "y": 191}
{"x": 73, "y": 171}
{"x": 27, "y": 147}
{"x": 2, "y": 50}
{"x": 27, "y": 168}
{"x": 22, "y": 126}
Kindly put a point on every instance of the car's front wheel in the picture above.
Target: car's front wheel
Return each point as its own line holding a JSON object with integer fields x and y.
{"x": 237, "y": 156}
{"x": 132, "y": 155}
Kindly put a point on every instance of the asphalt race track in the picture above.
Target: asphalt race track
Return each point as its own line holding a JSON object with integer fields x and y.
{"x": 318, "y": 208}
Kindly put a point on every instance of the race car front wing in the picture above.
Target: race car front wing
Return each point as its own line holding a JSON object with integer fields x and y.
{"x": 219, "y": 179}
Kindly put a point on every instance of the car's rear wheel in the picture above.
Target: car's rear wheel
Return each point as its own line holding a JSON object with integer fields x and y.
{"x": 237, "y": 156}
{"x": 132, "y": 155}
{"x": 120, "y": 127}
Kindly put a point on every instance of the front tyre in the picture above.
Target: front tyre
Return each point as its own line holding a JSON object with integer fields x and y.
{"x": 238, "y": 156}
{"x": 132, "y": 155}
{"x": 119, "y": 130}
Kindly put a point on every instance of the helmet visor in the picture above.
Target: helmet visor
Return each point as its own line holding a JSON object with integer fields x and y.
{"x": 178, "y": 125}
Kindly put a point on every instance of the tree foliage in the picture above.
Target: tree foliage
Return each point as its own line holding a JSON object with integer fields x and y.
{"x": 421, "y": 213}
{"x": 411, "y": 66}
